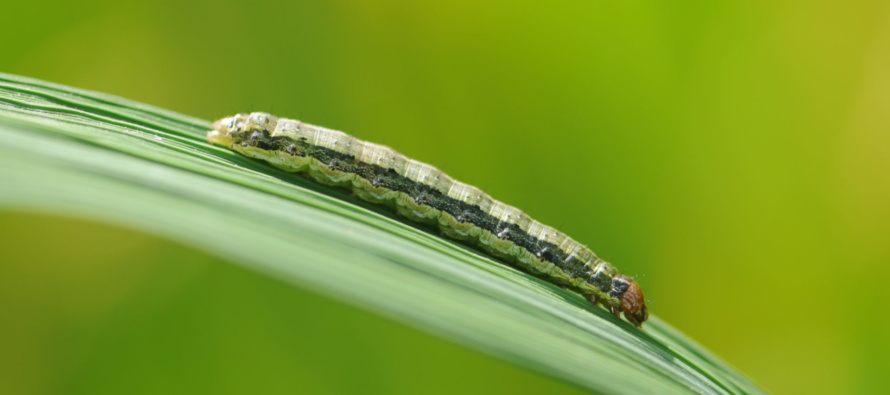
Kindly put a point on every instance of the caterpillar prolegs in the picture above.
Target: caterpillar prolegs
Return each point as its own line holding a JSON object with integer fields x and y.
{"x": 425, "y": 194}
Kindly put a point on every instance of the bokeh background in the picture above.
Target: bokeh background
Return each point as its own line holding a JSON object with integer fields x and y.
{"x": 734, "y": 154}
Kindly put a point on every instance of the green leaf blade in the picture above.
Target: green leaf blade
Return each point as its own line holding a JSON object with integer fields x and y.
{"x": 78, "y": 153}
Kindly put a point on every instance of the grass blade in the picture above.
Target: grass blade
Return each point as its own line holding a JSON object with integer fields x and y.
{"x": 77, "y": 153}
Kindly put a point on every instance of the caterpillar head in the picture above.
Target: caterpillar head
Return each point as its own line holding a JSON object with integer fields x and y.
{"x": 633, "y": 303}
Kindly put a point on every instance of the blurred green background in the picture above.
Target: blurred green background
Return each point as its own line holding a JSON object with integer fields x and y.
{"x": 734, "y": 154}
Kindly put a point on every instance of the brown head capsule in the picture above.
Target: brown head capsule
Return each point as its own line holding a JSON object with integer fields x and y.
{"x": 633, "y": 303}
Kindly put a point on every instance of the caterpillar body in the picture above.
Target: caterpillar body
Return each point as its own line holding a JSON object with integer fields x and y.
{"x": 425, "y": 194}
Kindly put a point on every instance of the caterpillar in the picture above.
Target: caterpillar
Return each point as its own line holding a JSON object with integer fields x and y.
{"x": 423, "y": 193}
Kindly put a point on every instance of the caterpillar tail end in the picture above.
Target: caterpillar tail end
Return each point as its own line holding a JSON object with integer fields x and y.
{"x": 220, "y": 134}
